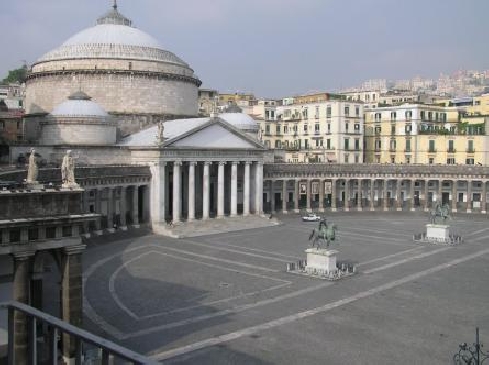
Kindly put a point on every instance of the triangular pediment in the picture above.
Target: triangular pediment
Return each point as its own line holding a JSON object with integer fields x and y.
{"x": 215, "y": 135}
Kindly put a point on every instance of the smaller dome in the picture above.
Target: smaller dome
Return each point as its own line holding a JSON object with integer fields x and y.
{"x": 240, "y": 121}
{"x": 79, "y": 105}
{"x": 233, "y": 108}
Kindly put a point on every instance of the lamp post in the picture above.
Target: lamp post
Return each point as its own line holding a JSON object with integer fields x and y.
{"x": 471, "y": 355}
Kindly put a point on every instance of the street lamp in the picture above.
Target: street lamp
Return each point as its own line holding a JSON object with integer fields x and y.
{"x": 471, "y": 355}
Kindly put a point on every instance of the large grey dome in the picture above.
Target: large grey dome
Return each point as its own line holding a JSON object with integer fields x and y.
{"x": 113, "y": 37}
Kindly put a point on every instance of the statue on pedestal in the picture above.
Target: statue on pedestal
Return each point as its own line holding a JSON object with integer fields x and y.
{"x": 68, "y": 171}
{"x": 33, "y": 170}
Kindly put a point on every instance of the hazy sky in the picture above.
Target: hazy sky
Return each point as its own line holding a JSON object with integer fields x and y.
{"x": 273, "y": 48}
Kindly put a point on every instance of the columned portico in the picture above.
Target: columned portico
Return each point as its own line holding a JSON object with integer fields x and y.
{"x": 234, "y": 189}
{"x": 258, "y": 187}
{"x": 206, "y": 191}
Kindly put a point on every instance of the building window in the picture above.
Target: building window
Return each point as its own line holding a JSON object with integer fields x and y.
{"x": 408, "y": 145}
{"x": 33, "y": 234}
{"x": 316, "y": 128}
{"x": 431, "y": 146}
{"x": 393, "y": 130}
{"x": 450, "y": 146}
{"x": 393, "y": 145}
{"x": 357, "y": 144}
{"x": 431, "y": 160}
{"x": 67, "y": 232}
{"x": 328, "y": 144}
{"x": 285, "y": 129}
{"x": 377, "y": 131}
{"x": 347, "y": 125}
{"x": 277, "y": 129}
{"x": 347, "y": 158}
{"x": 347, "y": 110}
{"x": 347, "y": 144}
{"x": 329, "y": 128}
{"x": 393, "y": 116}
{"x": 328, "y": 111}
{"x": 277, "y": 144}
{"x": 378, "y": 144}
{"x": 469, "y": 161}
{"x": 2, "y": 124}
{"x": 451, "y": 161}
{"x": 357, "y": 111}
{"x": 470, "y": 147}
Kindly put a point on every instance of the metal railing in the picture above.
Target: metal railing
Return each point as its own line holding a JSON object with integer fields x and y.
{"x": 56, "y": 327}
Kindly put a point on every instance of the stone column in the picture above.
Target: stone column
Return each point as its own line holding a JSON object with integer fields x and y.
{"x": 135, "y": 206}
{"x": 308, "y": 196}
{"x": 321, "y": 196}
{"x": 157, "y": 201}
{"x": 454, "y": 196}
{"x": 426, "y": 188}
{"x": 71, "y": 293}
{"x": 333, "y": 195}
{"x": 386, "y": 206}
{"x": 469, "y": 196}
{"x": 234, "y": 189}
{"x": 284, "y": 196}
{"x": 206, "y": 192}
{"x": 86, "y": 209}
{"x": 259, "y": 187}
{"x": 123, "y": 208}
{"x": 191, "y": 191}
{"x": 220, "y": 190}
{"x": 98, "y": 210}
{"x": 246, "y": 198}
{"x": 110, "y": 209}
{"x": 296, "y": 197}
{"x": 439, "y": 193}
{"x": 21, "y": 294}
{"x": 399, "y": 195}
{"x": 372, "y": 195}
{"x": 484, "y": 198}
{"x": 347, "y": 195}
{"x": 411, "y": 193}
{"x": 176, "y": 191}
{"x": 359, "y": 201}
{"x": 272, "y": 197}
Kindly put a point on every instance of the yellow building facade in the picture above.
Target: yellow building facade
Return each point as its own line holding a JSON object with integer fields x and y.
{"x": 424, "y": 134}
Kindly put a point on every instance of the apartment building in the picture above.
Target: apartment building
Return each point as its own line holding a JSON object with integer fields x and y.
{"x": 316, "y": 128}
{"x": 426, "y": 134}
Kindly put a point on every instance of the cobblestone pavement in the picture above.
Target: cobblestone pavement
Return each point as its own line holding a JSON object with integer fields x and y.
{"x": 226, "y": 298}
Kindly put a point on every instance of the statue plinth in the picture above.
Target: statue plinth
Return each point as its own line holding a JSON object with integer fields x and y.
{"x": 437, "y": 232}
{"x": 70, "y": 186}
{"x": 33, "y": 185}
{"x": 321, "y": 261}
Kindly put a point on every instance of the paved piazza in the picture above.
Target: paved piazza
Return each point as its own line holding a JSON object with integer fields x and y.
{"x": 226, "y": 299}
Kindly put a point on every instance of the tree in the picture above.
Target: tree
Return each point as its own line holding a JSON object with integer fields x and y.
{"x": 18, "y": 75}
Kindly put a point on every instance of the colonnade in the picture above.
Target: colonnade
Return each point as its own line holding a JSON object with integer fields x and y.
{"x": 374, "y": 194}
{"x": 188, "y": 190}
{"x": 120, "y": 206}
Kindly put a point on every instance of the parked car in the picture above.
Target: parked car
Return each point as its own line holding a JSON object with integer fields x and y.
{"x": 311, "y": 217}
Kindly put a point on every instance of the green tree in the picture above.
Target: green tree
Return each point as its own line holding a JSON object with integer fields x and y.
{"x": 17, "y": 75}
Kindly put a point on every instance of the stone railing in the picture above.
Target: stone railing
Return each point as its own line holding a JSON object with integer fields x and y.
{"x": 53, "y": 175}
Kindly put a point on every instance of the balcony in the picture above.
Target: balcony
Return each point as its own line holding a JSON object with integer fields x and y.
{"x": 317, "y": 133}
{"x": 392, "y": 149}
{"x": 470, "y": 150}
{"x": 407, "y": 150}
{"x": 432, "y": 150}
{"x": 82, "y": 340}
{"x": 451, "y": 150}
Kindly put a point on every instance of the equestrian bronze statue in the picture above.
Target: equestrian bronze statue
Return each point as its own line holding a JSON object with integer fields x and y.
{"x": 325, "y": 234}
{"x": 441, "y": 211}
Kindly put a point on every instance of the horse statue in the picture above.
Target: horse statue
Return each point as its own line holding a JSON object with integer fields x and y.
{"x": 442, "y": 211}
{"x": 325, "y": 233}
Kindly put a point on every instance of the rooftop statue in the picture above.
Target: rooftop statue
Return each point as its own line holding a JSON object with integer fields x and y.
{"x": 33, "y": 170}
{"x": 68, "y": 171}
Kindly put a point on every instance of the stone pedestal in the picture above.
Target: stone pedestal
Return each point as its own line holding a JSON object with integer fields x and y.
{"x": 437, "y": 232}
{"x": 321, "y": 261}
{"x": 33, "y": 186}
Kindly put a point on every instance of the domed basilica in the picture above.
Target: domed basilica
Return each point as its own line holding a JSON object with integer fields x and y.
{"x": 125, "y": 70}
